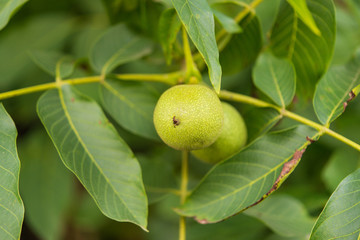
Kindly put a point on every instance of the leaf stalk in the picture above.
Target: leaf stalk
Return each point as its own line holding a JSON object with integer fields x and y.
{"x": 192, "y": 73}
{"x": 230, "y": 96}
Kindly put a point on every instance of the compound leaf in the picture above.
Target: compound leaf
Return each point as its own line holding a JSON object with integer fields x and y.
{"x": 11, "y": 205}
{"x": 91, "y": 148}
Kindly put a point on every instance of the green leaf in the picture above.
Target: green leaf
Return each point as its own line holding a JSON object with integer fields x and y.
{"x": 91, "y": 148}
{"x": 243, "y": 48}
{"x": 198, "y": 20}
{"x": 340, "y": 217}
{"x": 304, "y": 14}
{"x": 45, "y": 185}
{"x": 258, "y": 121}
{"x": 284, "y": 214}
{"x": 48, "y": 61}
{"x": 132, "y": 105}
{"x": 309, "y": 53}
{"x": 11, "y": 205}
{"x": 248, "y": 177}
{"x": 117, "y": 46}
{"x": 334, "y": 90}
{"x": 276, "y": 78}
{"x": 8, "y": 9}
{"x": 46, "y": 31}
{"x": 341, "y": 163}
{"x": 169, "y": 26}
{"x": 228, "y": 23}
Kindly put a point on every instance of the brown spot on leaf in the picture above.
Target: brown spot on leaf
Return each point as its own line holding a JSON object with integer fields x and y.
{"x": 351, "y": 97}
{"x": 288, "y": 167}
{"x": 72, "y": 99}
{"x": 100, "y": 122}
{"x": 310, "y": 140}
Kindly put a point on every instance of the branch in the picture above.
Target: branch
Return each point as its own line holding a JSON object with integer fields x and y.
{"x": 230, "y": 96}
{"x": 168, "y": 78}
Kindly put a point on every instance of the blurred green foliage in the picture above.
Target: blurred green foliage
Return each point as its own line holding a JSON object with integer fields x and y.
{"x": 58, "y": 207}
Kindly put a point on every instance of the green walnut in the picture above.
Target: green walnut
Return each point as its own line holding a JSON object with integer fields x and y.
{"x": 230, "y": 141}
{"x": 188, "y": 117}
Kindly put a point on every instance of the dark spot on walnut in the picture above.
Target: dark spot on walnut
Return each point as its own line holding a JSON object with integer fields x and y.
{"x": 176, "y": 122}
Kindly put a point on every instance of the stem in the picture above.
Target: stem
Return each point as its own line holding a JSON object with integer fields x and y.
{"x": 230, "y": 96}
{"x": 187, "y": 50}
{"x": 168, "y": 78}
{"x": 192, "y": 73}
{"x": 183, "y": 191}
{"x": 46, "y": 86}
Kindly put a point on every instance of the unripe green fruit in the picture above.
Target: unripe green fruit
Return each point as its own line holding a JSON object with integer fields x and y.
{"x": 188, "y": 117}
{"x": 231, "y": 139}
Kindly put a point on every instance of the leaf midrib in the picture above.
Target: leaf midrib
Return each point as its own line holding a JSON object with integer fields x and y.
{"x": 62, "y": 101}
{"x": 276, "y": 82}
{"x": 293, "y": 37}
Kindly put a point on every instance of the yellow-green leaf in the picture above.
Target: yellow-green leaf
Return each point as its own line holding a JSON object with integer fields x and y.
{"x": 91, "y": 148}
{"x": 11, "y": 205}
{"x": 304, "y": 14}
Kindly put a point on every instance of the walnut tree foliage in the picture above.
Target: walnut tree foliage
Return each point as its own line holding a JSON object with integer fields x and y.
{"x": 79, "y": 154}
